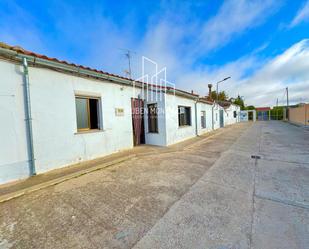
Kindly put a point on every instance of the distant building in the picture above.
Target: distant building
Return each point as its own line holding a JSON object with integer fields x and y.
{"x": 263, "y": 113}
{"x": 299, "y": 114}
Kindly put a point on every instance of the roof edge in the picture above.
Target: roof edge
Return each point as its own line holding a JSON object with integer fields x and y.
{"x": 17, "y": 53}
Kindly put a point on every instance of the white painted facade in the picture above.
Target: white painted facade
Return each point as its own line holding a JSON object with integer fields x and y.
{"x": 229, "y": 117}
{"x": 169, "y": 131}
{"x": 158, "y": 138}
{"x": 13, "y": 147}
{"x": 207, "y": 108}
{"x": 56, "y": 141}
{"x": 244, "y": 115}
{"x": 216, "y": 115}
{"x": 175, "y": 133}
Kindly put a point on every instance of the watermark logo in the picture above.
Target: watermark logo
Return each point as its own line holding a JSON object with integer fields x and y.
{"x": 153, "y": 84}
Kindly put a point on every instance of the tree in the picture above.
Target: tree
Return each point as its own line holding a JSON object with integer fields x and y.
{"x": 239, "y": 101}
{"x": 277, "y": 112}
{"x": 250, "y": 107}
{"x": 221, "y": 97}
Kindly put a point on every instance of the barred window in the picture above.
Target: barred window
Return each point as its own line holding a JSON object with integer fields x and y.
{"x": 152, "y": 118}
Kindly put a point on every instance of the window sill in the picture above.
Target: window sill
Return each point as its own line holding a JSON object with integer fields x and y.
{"x": 88, "y": 131}
{"x": 184, "y": 126}
{"x": 150, "y": 132}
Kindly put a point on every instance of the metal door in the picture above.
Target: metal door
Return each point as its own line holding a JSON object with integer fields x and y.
{"x": 221, "y": 118}
{"x": 137, "y": 106}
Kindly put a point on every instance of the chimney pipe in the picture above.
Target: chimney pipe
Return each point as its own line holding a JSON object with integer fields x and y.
{"x": 209, "y": 92}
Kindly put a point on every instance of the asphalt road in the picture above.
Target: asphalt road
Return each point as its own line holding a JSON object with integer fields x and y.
{"x": 212, "y": 194}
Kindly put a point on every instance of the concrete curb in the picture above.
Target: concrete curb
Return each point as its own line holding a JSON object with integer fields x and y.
{"x": 56, "y": 181}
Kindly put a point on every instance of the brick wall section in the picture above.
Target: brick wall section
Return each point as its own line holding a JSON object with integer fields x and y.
{"x": 300, "y": 114}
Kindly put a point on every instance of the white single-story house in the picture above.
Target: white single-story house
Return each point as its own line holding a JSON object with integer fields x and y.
{"x": 56, "y": 114}
{"x": 247, "y": 115}
{"x": 231, "y": 113}
{"x": 218, "y": 116}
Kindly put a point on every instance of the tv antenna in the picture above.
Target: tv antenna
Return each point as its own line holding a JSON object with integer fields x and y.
{"x": 128, "y": 54}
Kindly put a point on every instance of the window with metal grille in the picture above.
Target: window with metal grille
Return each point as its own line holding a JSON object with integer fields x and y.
{"x": 203, "y": 119}
{"x": 235, "y": 114}
{"x": 152, "y": 118}
{"x": 184, "y": 115}
{"x": 87, "y": 113}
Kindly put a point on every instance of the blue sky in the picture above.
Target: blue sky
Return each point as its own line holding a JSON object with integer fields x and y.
{"x": 262, "y": 45}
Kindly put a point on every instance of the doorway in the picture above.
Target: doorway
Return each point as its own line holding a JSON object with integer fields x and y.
{"x": 137, "y": 106}
{"x": 221, "y": 119}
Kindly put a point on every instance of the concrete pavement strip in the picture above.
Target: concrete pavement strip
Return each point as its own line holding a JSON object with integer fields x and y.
{"x": 173, "y": 148}
{"x": 58, "y": 180}
{"x": 212, "y": 195}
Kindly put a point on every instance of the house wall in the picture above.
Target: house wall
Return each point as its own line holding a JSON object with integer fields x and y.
{"x": 208, "y": 109}
{"x": 244, "y": 116}
{"x": 14, "y": 162}
{"x": 299, "y": 115}
{"x": 229, "y": 115}
{"x": 216, "y": 116}
{"x": 174, "y": 133}
{"x": 160, "y": 137}
{"x": 56, "y": 141}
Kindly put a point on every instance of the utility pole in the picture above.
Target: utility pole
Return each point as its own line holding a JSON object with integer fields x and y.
{"x": 277, "y": 110}
{"x": 287, "y": 103}
{"x": 217, "y": 91}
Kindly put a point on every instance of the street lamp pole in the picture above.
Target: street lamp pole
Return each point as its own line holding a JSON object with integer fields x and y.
{"x": 218, "y": 86}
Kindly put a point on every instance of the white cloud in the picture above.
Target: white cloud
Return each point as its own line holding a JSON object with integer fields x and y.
{"x": 290, "y": 69}
{"x": 178, "y": 44}
{"x": 234, "y": 18}
{"x": 302, "y": 15}
{"x": 261, "y": 82}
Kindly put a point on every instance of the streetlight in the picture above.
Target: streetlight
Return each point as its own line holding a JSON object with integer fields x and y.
{"x": 218, "y": 84}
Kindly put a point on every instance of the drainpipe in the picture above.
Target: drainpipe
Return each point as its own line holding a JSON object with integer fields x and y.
{"x": 28, "y": 118}
{"x": 212, "y": 113}
{"x": 213, "y": 105}
{"x": 196, "y": 131}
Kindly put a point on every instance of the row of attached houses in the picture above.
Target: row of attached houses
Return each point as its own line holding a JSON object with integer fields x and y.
{"x": 54, "y": 114}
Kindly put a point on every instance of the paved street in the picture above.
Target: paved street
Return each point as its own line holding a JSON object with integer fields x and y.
{"x": 211, "y": 194}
